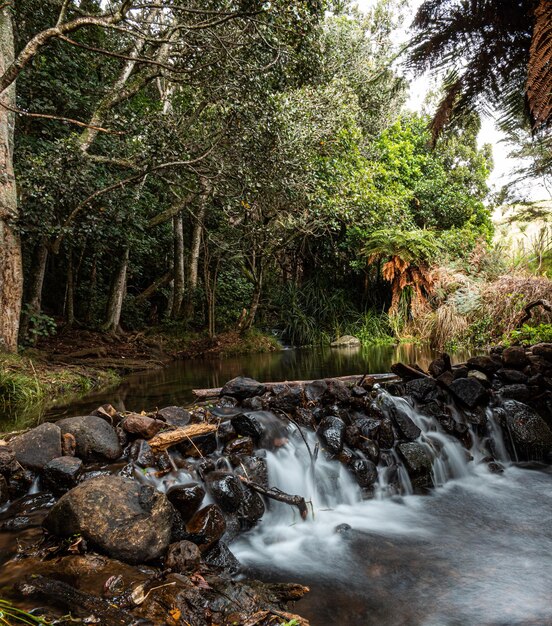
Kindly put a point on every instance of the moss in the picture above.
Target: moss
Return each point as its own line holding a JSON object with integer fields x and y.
{"x": 29, "y": 387}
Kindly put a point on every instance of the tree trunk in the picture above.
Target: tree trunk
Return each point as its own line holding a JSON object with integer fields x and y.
{"x": 70, "y": 292}
{"x": 195, "y": 247}
{"x": 11, "y": 267}
{"x": 116, "y": 295}
{"x": 178, "y": 266}
{"x": 34, "y": 294}
{"x": 255, "y": 301}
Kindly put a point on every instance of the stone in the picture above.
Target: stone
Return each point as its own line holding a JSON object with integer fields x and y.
{"x": 254, "y": 404}
{"x": 142, "y": 454}
{"x": 315, "y": 390}
{"x": 512, "y": 376}
{"x": 253, "y": 468}
{"x": 515, "y": 392}
{"x": 486, "y": 364}
{"x": 4, "y": 490}
{"x": 370, "y": 449}
{"x": 515, "y": 357}
{"x": 417, "y": 461}
{"x": 422, "y": 389}
{"x": 38, "y": 446}
{"x": 331, "y": 432}
{"x": 186, "y": 498}
{"x": 206, "y": 527}
{"x": 386, "y": 436}
{"x": 365, "y": 472}
{"x": 264, "y": 427}
{"x": 220, "y": 557}
{"x": 543, "y": 350}
{"x": 469, "y": 391}
{"x": 527, "y": 428}
{"x": 142, "y": 425}
{"x": 62, "y": 474}
{"x": 480, "y": 376}
{"x": 242, "y": 387}
{"x": 241, "y": 445}
{"x": 121, "y": 517}
{"x": 183, "y": 557}
{"x": 96, "y": 439}
{"x": 287, "y": 399}
{"x": 174, "y": 415}
{"x": 348, "y": 341}
{"x": 225, "y": 489}
{"x": 403, "y": 422}
{"x": 338, "y": 390}
{"x": 202, "y": 446}
{"x": 7, "y": 460}
{"x": 460, "y": 371}
{"x": 226, "y": 432}
{"x": 439, "y": 366}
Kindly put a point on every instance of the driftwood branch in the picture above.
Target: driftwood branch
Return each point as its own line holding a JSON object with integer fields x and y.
{"x": 407, "y": 372}
{"x": 374, "y": 378}
{"x": 169, "y": 438}
{"x": 527, "y": 311}
{"x": 275, "y": 494}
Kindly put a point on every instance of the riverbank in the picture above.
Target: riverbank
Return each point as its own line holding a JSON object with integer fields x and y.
{"x": 156, "y": 502}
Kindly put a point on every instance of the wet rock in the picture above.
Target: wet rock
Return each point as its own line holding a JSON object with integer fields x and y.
{"x": 68, "y": 445}
{"x": 358, "y": 392}
{"x": 486, "y": 364}
{"x": 225, "y": 490}
{"x": 543, "y": 350}
{"x": 226, "y": 432}
{"x": 201, "y": 446}
{"x": 96, "y": 439}
{"x": 315, "y": 390}
{"x": 254, "y": 404}
{"x": 515, "y": 392}
{"x": 183, "y": 557}
{"x": 4, "y": 490}
{"x": 459, "y": 372}
{"x": 7, "y": 460}
{"x": 386, "y": 436}
{"x": 20, "y": 481}
{"x": 220, "y": 557}
{"x": 186, "y": 498}
{"x": 122, "y": 518}
{"x": 241, "y": 445}
{"x": 404, "y": 424}
{"x": 142, "y": 454}
{"x": 343, "y": 529}
{"x": 225, "y": 412}
{"x": 142, "y": 425}
{"x": 422, "y": 389}
{"x": 36, "y": 447}
{"x": 345, "y": 456}
{"x": 331, "y": 432}
{"x": 417, "y": 462}
{"x": 512, "y": 376}
{"x": 528, "y": 430}
{"x": 175, "y": 415}
{"x": 469, "y": 391}
{"x": 337, "y": 390}
{"x": 480, "y": 376}
{"x": 346, "y": 341}
{"x": 243, "y": 387}
{"x": 253, "y": 468}
{"x": 252, "y": 508}
{"x": 370, "y": 449}
{"x": 62, "y": 474}
{"x": 515, "y": 357}
{"x": 106, "y": 412}
{"x": 206, "y": 527}
{"x": 365, "y": 472}
{"x": 440, "y": 365}
{"x": 264, "y": 427}
{"x": 287, "y": 399}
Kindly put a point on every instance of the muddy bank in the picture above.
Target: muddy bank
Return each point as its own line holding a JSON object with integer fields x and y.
{"x": 152, "y": 502}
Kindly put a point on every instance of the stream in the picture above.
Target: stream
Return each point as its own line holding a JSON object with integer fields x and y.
{"x": 476, "y": 551}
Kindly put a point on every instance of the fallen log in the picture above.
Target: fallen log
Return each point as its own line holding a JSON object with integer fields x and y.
{"x": 545, "y": 304}
{"x": 275, "y": 494}
{"x": 407, "y": 372}
{"x": 169, "y": 438}
{"x": 354, "y": 379}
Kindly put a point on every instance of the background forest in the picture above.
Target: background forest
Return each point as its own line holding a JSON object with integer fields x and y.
{"x": 260, "y": 172}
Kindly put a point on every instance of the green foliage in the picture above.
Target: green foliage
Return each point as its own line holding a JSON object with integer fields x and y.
{"x": 412, "y": 246}
{"x": 11, "y": 615}
{"x": 39, "y": 325}
{"x": 529, "y": 335}
{"x": 374, "y": 329}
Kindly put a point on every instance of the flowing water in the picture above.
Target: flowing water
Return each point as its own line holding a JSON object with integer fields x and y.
{"x": 476, "y": 551}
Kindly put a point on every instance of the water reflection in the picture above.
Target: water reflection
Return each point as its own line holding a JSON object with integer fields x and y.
{"x": 173, "y": 385}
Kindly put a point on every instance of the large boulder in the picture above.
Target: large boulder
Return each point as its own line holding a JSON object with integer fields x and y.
{"x": 121, "y": 517}
{"x": 242, "y": 387}
{"x": 418, "y": 463}
{"x": 95, "y": 438}
{"x": 332, "y": 432}
{"x": 515, "y": 357}
{"x": 62, "y": 474}
{"x": 543, "y": 350}
{"x": 206, "y": 527}
{"x": 530, "y": 433}
{"x": 346, "y": 341}
{"x": 38, "y": 446}
{"x": 186, "y": 498}
{"x": 469, "y": 391}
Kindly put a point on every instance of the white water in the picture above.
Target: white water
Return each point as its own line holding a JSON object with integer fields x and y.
{"x": 467, "y": 554}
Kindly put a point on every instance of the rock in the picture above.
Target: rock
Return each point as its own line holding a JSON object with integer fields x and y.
{"x": 242, "y": 387}
{"x": 460, "y": 371}
{"x": 331, "y": 432}
{"x": 38, "y": 446}
{"x": 183, "y": 557}
{"x": 422, "y": 389}
{"x": 96, "y": 439}
{"x": 68, "y": 445}
{"x": 343, "y": 529}
{"x": 315, "y": 390}
{"x": 128, "y": 521}
{"x": 186, "y": 498}
{"x": 440, "y": 365}
{"x": 254, "y": 404}
{"x": 225, "y": 489}
{"x": 252, "y": 508}
{"x": 226, "y": 432}
{"x": 4, "y": 490}
{"x": 512, "y": 376}
{"x": 264, "y": 427}
{"x": 417, "y": 461}
{"x": 241, "y": 445}
{"x": 62, "y": 474}
{"x": 253, "y": 468}
{"x": 337, "y": 390}
{"x": 7, "y": 460}
{"x": 469, "y": 391}
{"x": 202, "y": 446}
{"x": 486, "y": 364}
{"x": 174, "y": 415}
{"x": 365, "y": 472}
{"x": 386, "y": 436}
{"x": 370, "y": 449}
{"x": 287, "y": 399}
{"x": 528, "y": 430}
{"x": 142, "y": 425}
{"x": 206, "y": 527}
{"x": 220, "y": 557}
{"x": 515, "y": 358}
{"x": 515, "y": 392}
{"x": 142, "y": 454}
{"x": 480, "y": 376}
{"x": 403, "y": 423}
{"x": 20, "y": 481}
{"x": 106, "y": 412}
{"x": 543, "y": 350}
{"x": 345, "y": 341}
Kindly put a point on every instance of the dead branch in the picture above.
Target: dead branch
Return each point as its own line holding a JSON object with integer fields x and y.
{"x": 275, "y": 494}
{"x": 169, "y": 438}
{"x": 545, "y": 304}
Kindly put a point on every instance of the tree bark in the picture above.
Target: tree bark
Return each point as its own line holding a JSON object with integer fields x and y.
{"x": 70, "y": 292}
{"x": 178, "y": 266}
{"x": 34, "y": 292}
{"x": 116, "y": 296}
{"x": 255, "y": 301}
{"x": 11, "y": 267}
{"x": 195, "y": 247}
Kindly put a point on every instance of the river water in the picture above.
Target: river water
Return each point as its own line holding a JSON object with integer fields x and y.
{"x": 477, "y": 551}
